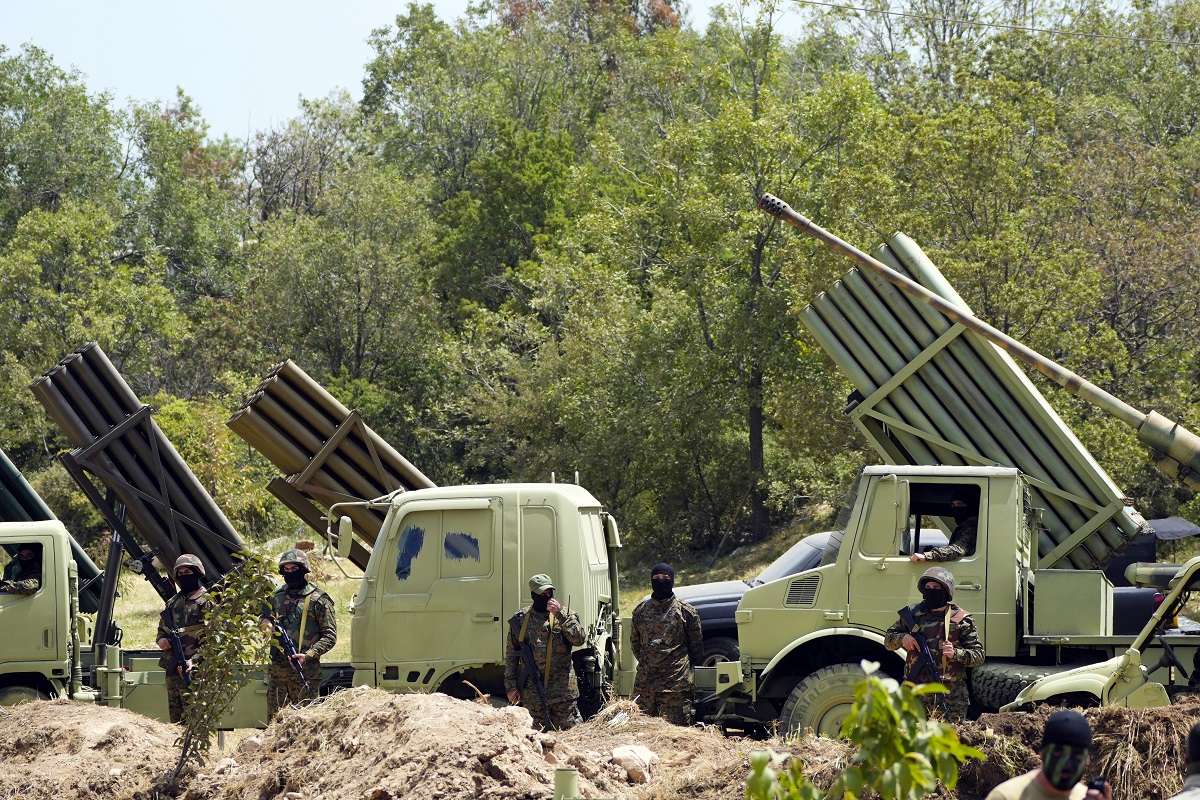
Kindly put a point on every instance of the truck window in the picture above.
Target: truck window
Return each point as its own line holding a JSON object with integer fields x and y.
{"x": 948, "y": 506}
{"x": 880, "y": 536}
{"x": 467, "y": 546}
{"x": 410, "y": 547}
{"x": 539, "y": 544}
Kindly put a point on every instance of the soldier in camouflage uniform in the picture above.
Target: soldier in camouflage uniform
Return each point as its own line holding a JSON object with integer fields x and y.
{"x": 551, "y": 636}
{"x": 952, "y": 638}
{"x": 185, "y": 611}
{"x": 667, "y": 643}
{"x": 23, "y": 575}
{"x": 307, "y": 614}
{"x": 964, "y": 507}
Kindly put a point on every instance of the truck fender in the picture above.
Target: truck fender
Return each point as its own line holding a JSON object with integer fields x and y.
{"x": 1090, "y": 680}
{"x": 824, "y": 633}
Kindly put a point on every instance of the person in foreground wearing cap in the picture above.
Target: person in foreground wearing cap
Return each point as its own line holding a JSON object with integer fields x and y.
{"x": 1191, "y": 776}
{"x": 1066, "y": 747}
{"x": 307, "y": 615}
{"x": 964, "y": 508}
{"x": 551, "y": 635}
{"x": 23, "y": 575}
{"x": 183, "y": 617}
{"x": 951, "y": 636}
{"x": 667, "y": 643}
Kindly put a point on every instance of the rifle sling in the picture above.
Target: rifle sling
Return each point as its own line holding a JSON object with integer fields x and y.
{"x": 303, "y": 622}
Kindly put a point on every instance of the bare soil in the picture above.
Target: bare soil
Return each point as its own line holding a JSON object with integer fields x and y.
{"x": 365, "y": 744}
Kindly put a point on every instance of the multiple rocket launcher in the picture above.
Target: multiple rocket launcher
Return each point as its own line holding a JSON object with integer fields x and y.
{"x": 933, "y": 386}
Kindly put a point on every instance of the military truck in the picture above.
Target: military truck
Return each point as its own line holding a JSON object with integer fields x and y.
{"x": 447, "y": 566}
{"x": 939, "y": 396}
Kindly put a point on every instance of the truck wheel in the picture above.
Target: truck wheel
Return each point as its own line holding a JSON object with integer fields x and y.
{"x": 15, "y": 695}
{"x": 997, "y": 683}
{"x": 821, "y": 702}
{"x": 720, "y": 649}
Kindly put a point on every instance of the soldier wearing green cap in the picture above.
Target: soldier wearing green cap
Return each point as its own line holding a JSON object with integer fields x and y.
{"x": 952, "y": 638}
{"x": 550, "y": 636}
{"x": 307, "y": 614}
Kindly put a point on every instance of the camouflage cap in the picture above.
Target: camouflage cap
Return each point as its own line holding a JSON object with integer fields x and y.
{"x": 295, "y": 556}
{"x": 942, "y": 576}
{"x": 188, "y": 560}
{"x": 540, "y": 583}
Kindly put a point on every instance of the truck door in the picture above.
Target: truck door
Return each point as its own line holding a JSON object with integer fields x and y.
{"x": 441, "y": 591}
{"x": 882, "y": 576}
{"x": 29, "y": 622}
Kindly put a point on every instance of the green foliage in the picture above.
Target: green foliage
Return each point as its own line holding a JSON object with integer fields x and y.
{"x": 901, "y": 755}
{"x": 232, "y": 643}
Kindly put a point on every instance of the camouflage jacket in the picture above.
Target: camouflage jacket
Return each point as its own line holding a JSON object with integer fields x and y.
{"x": 21, "y": 579}
{"x": 187, "y": 617}
{"x": 566, "y": 635}
{"x": 968, "y": 650}
{"x": 667, "y": 643}
{"x": 320, "y": 626}
{"x": 961, "y": 544}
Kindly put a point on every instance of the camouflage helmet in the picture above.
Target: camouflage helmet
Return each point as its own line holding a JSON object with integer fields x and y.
{"x": 942, "y": 576}
{"x": 295, "y": 556}
{"x": 188, "y": 560}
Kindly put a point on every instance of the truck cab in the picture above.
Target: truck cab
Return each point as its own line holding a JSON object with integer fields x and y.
{"x": 450, "y": 567}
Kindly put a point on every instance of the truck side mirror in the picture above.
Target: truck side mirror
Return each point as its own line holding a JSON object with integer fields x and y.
{"x": 345, "y": 536}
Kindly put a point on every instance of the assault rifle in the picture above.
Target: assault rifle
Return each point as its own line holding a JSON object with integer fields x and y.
{"x": 289, "y": 650}
{"x": 925, "y": 664}
{"x": 178, "y": 660}
{"x": 529, "y": 670}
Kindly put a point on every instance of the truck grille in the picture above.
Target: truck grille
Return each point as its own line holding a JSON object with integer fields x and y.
{"x": 803, "y": 591}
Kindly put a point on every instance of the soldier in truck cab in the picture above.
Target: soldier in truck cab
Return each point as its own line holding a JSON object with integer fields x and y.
{"x": 964, "y": 508}
{"x": 23, "y": 575}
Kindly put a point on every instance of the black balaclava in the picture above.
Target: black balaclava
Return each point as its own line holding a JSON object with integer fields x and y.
{"x": 295, "y": 580}
{"x": 934, "y": 598}
{"x": 662, "y": 588}
{"x": 540, "y": 600}
{"x": 1066, "y": 745}
{"x": 188, "y": 583}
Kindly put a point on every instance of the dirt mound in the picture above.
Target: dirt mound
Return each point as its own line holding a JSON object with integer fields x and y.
{"x": 61, "y": 749}
{"x": 1140, "y": 752}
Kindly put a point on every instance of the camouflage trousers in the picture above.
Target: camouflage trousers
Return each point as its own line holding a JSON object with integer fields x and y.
{"x": 564, "y": 712}
{"x": 175, "y": 702}
{"x": 674, "y": 707}
{"x": 955, "y": 703}
{"x": 284, "y": 686}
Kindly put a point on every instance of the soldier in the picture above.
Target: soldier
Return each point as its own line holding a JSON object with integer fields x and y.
{"x": 1191, "y": 780}
{"x": 953, "y": 642}
{"x": 964, "y": 507}
{"x": 540, "y": 634}
{"x": 23, "y": 575}
{"x": 185, "y": 615}
{"x": 667, "y": 643}
{"x": 1066, "y": 747}
{"x": 307, "y": 615}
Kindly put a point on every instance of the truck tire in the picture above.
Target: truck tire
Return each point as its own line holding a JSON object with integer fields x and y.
{"x": 15, "y": 695}
{"x": 720, "y": 649}
{"x": 993, "y": 684}
{"x": 821, "y": 702}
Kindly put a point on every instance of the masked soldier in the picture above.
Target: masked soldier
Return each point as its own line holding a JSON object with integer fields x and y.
{"x": 951, "y": 636}
{"x": 183, "y": 617}
{"x": 23, "y": 575}
{"x": 540, "y": 640}
{"x": 1066, "y": 749}
{"x": 306, "y": 614}
{"x": 964, "y": 507}
{"x": 667, "y": 643}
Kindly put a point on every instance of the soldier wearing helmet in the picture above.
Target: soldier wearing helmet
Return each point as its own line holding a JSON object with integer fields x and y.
{"x": 184, "y": 617}
{"x": 964, "y": 509}
{"x": 951, "y": 636}
{"x": 23, "y": 575}
{"x": 538, "y": 651}
{"x": 307, "y": 614}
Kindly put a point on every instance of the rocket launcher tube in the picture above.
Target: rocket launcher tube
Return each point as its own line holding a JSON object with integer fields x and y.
{"x": 1153, "y": 429}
